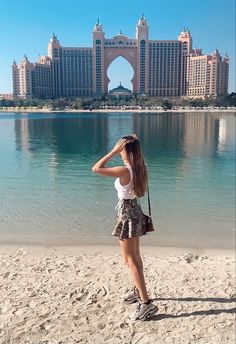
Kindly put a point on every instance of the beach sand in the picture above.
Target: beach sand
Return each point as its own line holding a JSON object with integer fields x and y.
{"x": 73, "y": 295}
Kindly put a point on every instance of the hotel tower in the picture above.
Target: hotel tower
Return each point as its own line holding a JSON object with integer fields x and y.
{"x": 162, "y": 68}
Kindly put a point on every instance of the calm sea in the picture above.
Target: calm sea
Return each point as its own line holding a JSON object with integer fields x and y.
{"x": 49, "y": 195}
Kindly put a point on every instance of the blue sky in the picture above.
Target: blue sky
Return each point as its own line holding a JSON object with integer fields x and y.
{"x": 26, "y": 27}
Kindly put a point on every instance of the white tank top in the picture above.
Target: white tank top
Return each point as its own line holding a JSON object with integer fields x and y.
{"x": 124, "y": 191}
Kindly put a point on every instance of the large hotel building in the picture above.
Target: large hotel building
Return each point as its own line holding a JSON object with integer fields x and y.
{"x": 162, "y": 68}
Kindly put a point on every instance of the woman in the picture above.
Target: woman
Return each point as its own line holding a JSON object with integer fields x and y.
{"x": 131, "y": 183}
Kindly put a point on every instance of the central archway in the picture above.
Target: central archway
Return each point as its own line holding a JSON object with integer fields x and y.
{"x": 120, "y": 70}
{"x": 111, "y": 54}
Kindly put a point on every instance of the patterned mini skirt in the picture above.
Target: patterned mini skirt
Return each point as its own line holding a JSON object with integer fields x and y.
{"x": 130, "y": 219}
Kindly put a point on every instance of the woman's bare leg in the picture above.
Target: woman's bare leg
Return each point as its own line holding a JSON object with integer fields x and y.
{"x": 139, "y": 258}
{"x": 130, "y": 252}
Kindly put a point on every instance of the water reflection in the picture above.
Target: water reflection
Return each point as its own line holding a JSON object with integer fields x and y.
{"x": 190, "y": 158}
{"x": 185, "y": 135}
{"x": 62, "y": 138}
{"x": 201, "y": 135}
{"x": 160, "y": 134}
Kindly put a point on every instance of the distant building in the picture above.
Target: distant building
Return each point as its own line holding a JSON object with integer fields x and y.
{"x": 7, "y": 96}
{"x": 162, "y": 68}
{"x": 120, "y": 92}
{"x": 207, "y": 74}
{"x": 64, "y": 72}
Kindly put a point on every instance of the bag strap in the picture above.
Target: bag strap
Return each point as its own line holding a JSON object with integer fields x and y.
{"x": 149, "y": 203}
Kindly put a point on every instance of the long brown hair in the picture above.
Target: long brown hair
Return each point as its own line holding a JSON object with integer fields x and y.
{"x": 136, "y": 160}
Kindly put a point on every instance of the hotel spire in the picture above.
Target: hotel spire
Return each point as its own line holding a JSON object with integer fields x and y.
{"x": 25, "y": 58}
{"x": 98, "y": 26}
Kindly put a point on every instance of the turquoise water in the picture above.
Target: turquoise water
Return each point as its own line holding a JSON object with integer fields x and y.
{"x": 48, "y": 193}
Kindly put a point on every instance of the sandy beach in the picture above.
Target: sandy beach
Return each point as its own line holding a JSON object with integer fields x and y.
{"x": 73, "y": 294}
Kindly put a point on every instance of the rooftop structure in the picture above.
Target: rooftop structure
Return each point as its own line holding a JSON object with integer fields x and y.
{"x": 120, "y": 92}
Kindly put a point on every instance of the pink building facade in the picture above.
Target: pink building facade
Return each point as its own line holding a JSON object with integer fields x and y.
{"x": 162, "y": 68}
{"x": 207, "y": 74}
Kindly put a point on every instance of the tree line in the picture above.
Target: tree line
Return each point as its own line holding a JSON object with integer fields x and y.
{"x": 141, "y": 102}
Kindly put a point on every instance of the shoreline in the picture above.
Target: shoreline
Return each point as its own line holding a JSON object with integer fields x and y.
{"x": 163, "y": 251}
{"x": 148, "y": 242}
{"x": 45, "y": 111}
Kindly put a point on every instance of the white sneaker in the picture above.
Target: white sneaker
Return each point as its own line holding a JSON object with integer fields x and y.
{"x": 143, "y": 311}
{"x": 132, "y": 297}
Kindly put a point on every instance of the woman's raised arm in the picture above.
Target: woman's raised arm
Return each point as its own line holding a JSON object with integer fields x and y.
{"x": 118, "y": 171}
